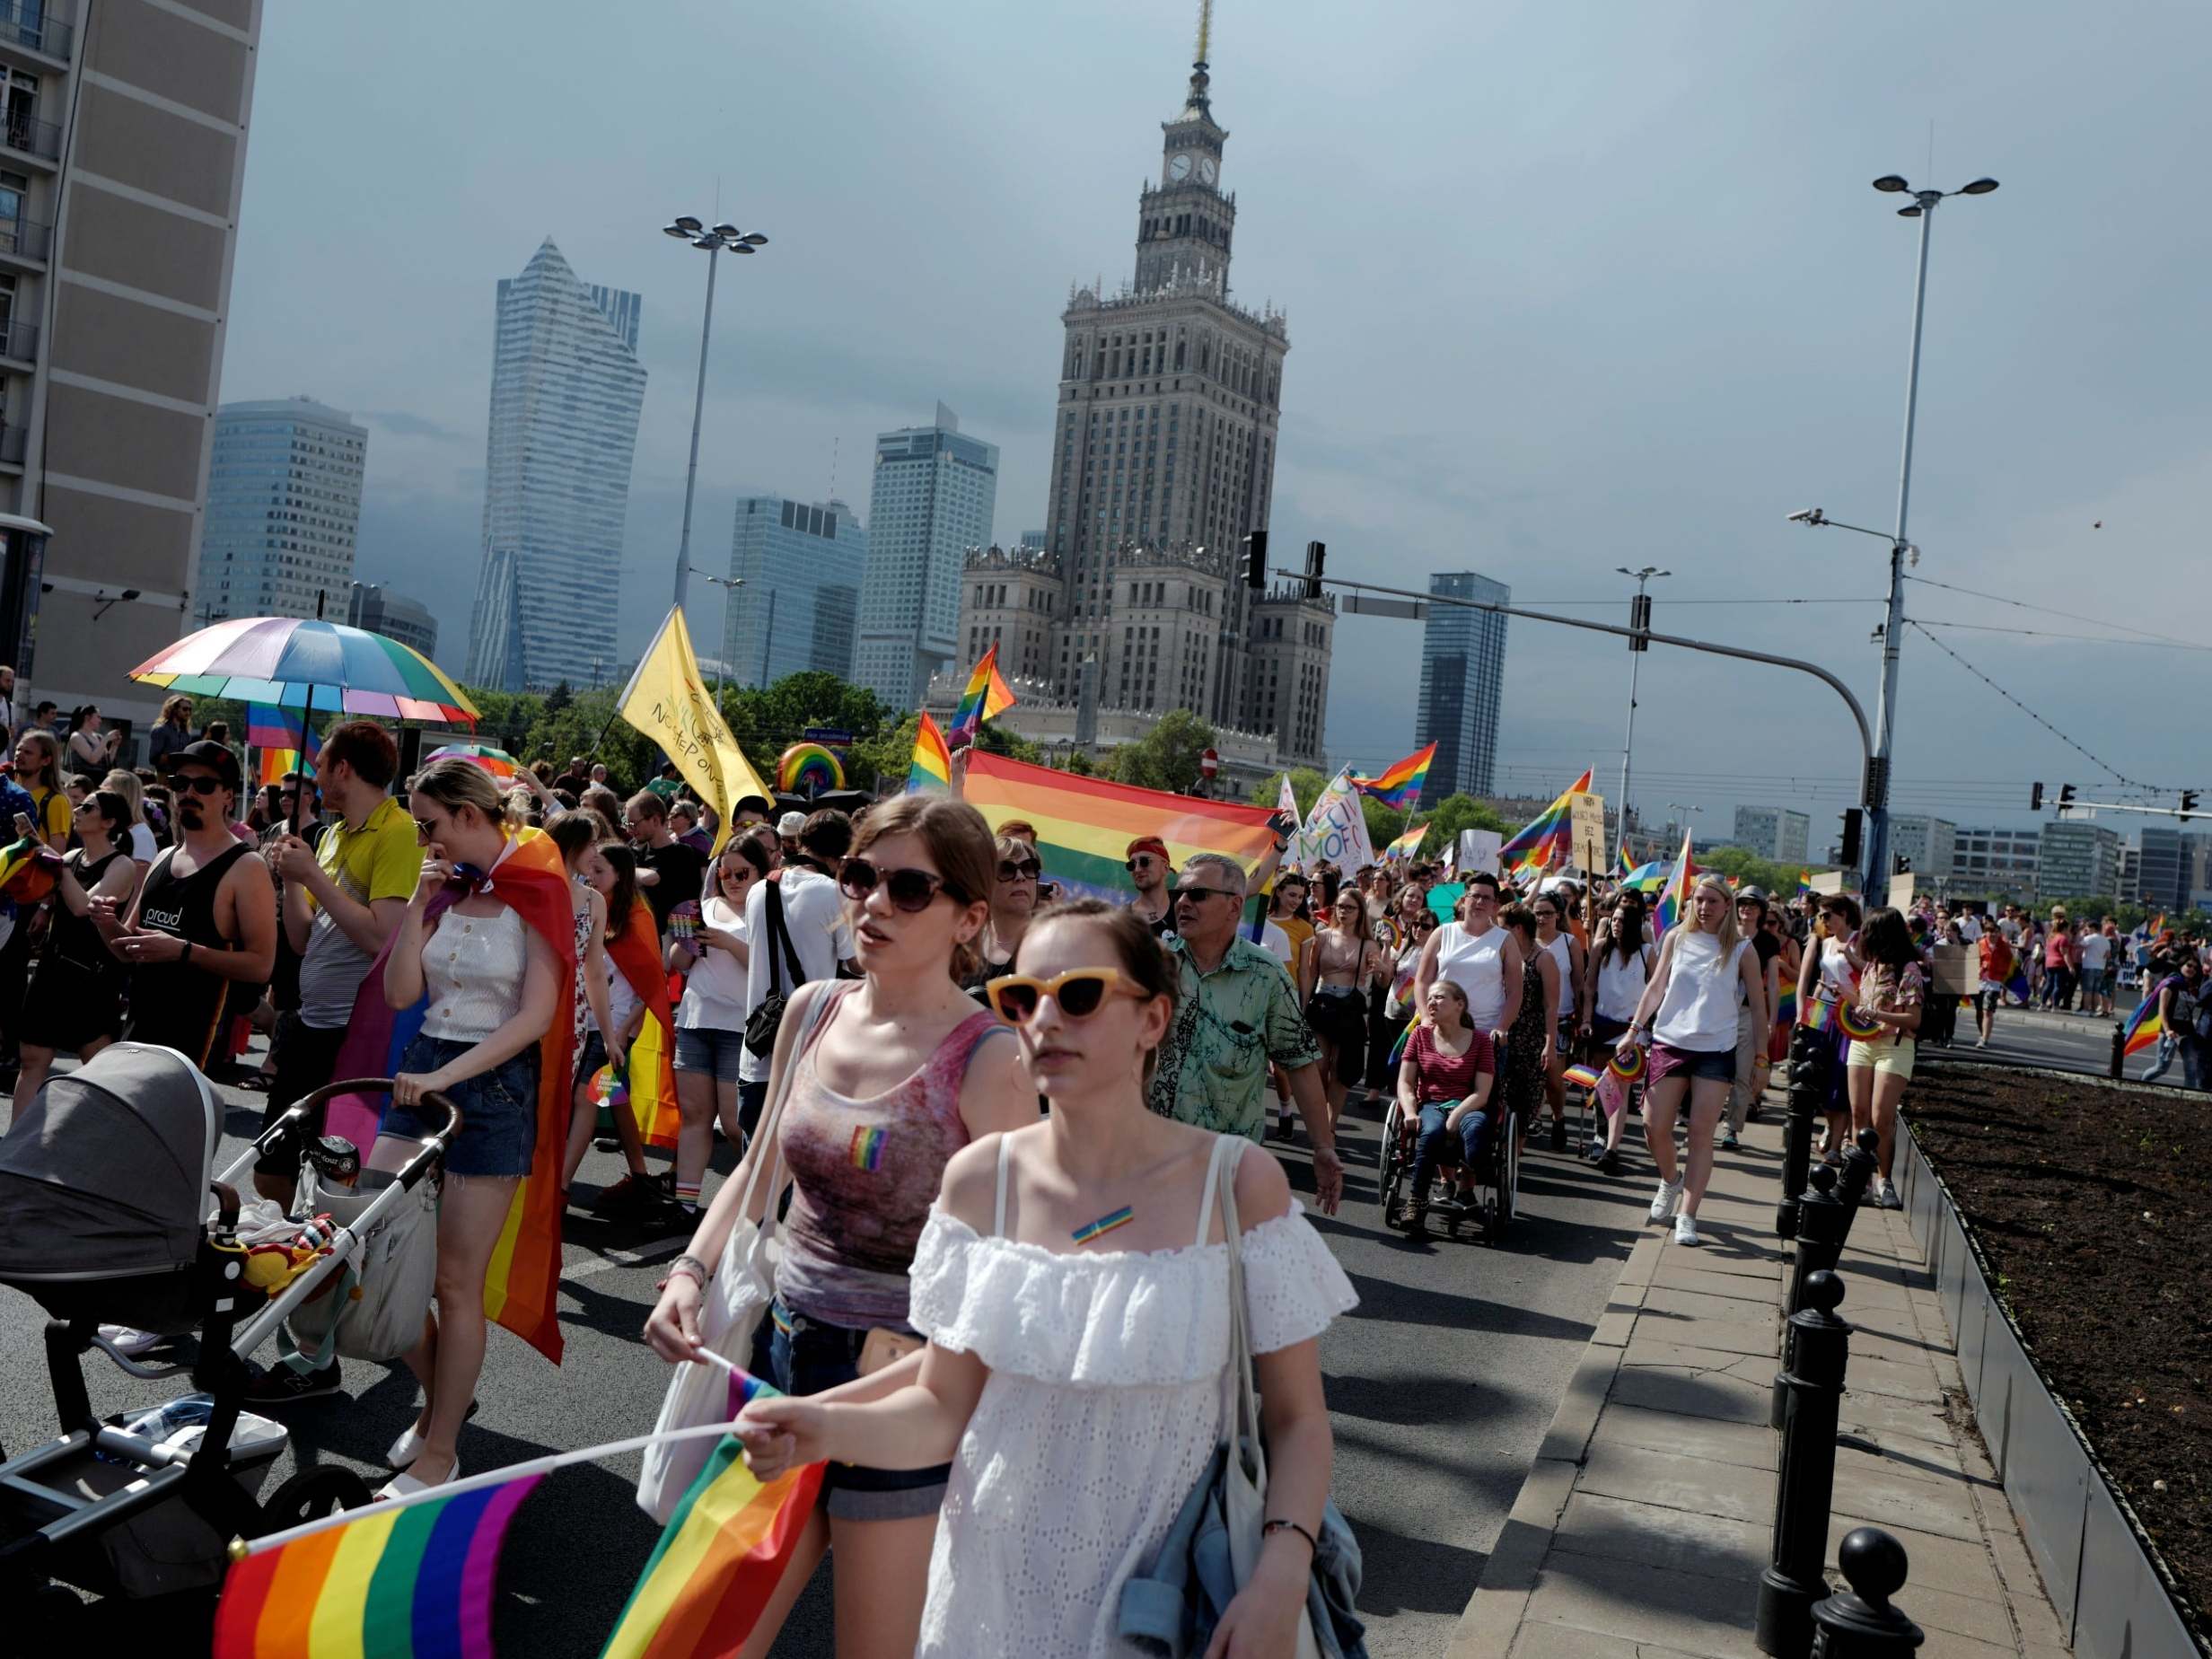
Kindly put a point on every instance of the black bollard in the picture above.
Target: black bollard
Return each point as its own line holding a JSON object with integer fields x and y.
{"x": 1859, "y": 1166}
{"x": 1859, "y": 1623}
{"x": 1822, "y": 1222}
{"x": 1810, "y": 1055}
{"x": 1792, "y": 1581}
{"x": 2119, "y": 1051}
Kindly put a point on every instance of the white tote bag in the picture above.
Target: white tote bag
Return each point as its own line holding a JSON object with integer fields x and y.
{"x": 730, "y": 1310}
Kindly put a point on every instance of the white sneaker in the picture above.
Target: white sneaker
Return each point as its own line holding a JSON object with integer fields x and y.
{"x": 1686, "y": 1229}
{"x": 129, "y": 1341}
{"x": 1663, "y": 1201}
{"x": 1885, "y": 1197}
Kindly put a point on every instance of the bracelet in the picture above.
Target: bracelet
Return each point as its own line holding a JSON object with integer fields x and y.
{"x": 1268, "y": 1529}
{"x": 689, "y": 1263}
{"x": 186, "y": 960}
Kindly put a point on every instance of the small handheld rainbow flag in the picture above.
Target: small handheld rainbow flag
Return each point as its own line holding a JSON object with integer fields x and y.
{"x": 985, "y": 698}
{"x": 1406, "y": 845}
{"x": 1543, "y": 841}
{"x": 2145, "y": 1028}
{"x": 1399, "y": 786}
{"x": 1804, "y": 883}
{"x": 1674, "y": 899}
{"x": 932, "y": 767}
{"x": 1624, "y": 866}
{"x": 1582, "y": 1075}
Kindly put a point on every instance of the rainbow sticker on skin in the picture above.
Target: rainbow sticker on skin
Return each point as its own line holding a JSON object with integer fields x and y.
{"x": 867, "y": 1149}
{"x": 1630, "y": 1071}
{"x": 1858, "y": 1024}
{"x": 1104, "y": 1225}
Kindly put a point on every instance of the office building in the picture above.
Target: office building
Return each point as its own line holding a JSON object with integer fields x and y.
{"x": 129, "y": 134}
{"x": 1925, "y": 845}
{"x": 395, "y": 616}
{"x": 802, "y": 565}
{"x": 1462, "y": 683}
{"x": 2077, "y": 859}
{"x": 935, "y": 491}
{"x": 1773, "y": 832}
{"x": 1008, "y": 601}
{"x": 2168, "y": 863}
{"x": 2000, "y": 862}
{"x": 283, "y": 503}
{"x": 566, "y": 388}
{"x": 1035, "y": 540}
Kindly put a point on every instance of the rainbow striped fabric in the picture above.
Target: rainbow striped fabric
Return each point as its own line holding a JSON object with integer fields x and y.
{"x": 932, "y": 767}
{"x": 1407, "y": 845}
{"x": 277, "y": 733}
{"x": 403, "y": 1581}
{"x": 985, "y": 698}
{"x": 2145, "y": 1028}
{"x": 1674, "y": 897}
{"x": 866, "y": 1152}
{"x": 1545, "y": 840}
{"x": 1648, "y": 878}
{"x": 1399, "y": 786}
{"x": 721, "y": 1558}
{"x": 1624, "y": 866}
{"x": 1804, "y": 883}
{"x": 1085, "y": 825}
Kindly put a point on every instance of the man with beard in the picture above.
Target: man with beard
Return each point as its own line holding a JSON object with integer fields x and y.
{"x": 1146, "y": 860}
{"x": 205, "y": 917}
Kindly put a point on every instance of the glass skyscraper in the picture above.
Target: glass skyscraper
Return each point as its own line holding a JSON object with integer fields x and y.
{"x": 283, "y": 503}
{"x": 935, "y": 494}
{"x": 1462, "y": 680}
{"x": 800, "y": 563}
{"x": 566, "y": 390}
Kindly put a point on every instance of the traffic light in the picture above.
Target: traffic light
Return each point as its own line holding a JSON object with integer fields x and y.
{"x": 2065, "y": 796}
{"x": 1253, "y": 563}
{"x": 1315, "y": 552}
{"x": 1904, "y": 865}
{"x": 2188, "y": 803}
{"x": 2035, "y": 798}
{"x": 1852, "y": 817}
{"x": 1639, "y": 618}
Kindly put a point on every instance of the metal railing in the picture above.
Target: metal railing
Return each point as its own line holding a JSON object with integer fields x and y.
{"x": 32, "y": 136}
{"x": 25, "y": 239}
{"x": 27, "y": 23}
{"x": 20, "y": 341}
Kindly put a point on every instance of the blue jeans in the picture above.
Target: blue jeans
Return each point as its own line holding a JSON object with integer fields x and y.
{"x": 1435, "y": 1147}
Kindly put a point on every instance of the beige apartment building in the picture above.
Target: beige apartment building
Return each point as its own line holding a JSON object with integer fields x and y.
{"x": 123, "y": 131}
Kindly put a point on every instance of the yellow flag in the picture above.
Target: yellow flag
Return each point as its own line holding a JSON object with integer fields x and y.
{"x": 669, "y": 702}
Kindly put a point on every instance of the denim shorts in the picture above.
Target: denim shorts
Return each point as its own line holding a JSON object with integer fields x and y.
{"x": 498, "y": 1110}
{"x": 702, "y": 1048}
{"x": 807, "y": 1355}
{"x": 1697, "y": 1064}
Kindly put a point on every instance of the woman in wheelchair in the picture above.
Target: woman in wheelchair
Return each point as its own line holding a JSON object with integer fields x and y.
{"x": 1444, "y": 1082}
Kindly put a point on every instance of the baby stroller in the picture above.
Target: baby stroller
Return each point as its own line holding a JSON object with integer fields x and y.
{"x": 110, "y": 1212}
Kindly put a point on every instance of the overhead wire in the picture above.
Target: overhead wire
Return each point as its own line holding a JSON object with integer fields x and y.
{"x": 2131, "y": 782}
{"x": 2037, "y": 633}
{"x": 2071, "y": 616}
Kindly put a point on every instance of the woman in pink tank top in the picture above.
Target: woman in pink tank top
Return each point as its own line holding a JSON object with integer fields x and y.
{"x": 887, "y": 1078}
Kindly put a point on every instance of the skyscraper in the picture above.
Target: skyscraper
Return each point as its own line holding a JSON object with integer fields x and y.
{"x": 566, "y": 390}
{"x": 802, "y": 565}
{"x": 934, "y": 493}
{"x": 283, "y": 503}
{"x": 377, "y": 608}
{"x": 1463, "y": 682}
{"x": 126, "y": 133}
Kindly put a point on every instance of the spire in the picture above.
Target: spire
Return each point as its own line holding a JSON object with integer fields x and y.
{"x": 1199, "y": 79}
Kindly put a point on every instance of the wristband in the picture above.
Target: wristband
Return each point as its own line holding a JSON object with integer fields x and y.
{"x": 689, "y": 1263}
{"x": 1268, "y": 1529}
{"x": 186, "y": 960}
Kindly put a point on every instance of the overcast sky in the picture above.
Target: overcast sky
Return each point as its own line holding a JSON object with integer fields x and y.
{"x": 1569, "y": 286}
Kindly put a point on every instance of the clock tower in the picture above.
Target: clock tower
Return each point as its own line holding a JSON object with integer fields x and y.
{"x": 1184, "y": 222}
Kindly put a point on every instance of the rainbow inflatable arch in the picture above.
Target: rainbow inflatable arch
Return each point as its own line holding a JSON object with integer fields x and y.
{"x": 808, "y": 769}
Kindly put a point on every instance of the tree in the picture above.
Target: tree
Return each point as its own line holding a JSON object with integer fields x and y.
{"x": 558, "y": 699}
{"x": 1306, "y": 787}
{"x": 1454, "y": 813}
{"x": 1750, "y": 870}
{"x": 1165, "y": 758}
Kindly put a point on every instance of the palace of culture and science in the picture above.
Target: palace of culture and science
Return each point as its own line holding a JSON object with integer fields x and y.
{"x": 1162, "y": 459}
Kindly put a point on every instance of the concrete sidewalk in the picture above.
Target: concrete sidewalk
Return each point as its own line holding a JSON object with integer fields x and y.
{"x": 1645, "y": 1522}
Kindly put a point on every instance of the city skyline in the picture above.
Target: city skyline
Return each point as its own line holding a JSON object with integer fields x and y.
{"x": 283, "y": 507}
{"x": 1590, "y": 348}
{"x": 934, "y": 496}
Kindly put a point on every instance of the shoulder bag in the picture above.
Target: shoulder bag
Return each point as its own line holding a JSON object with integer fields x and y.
{"x": 766, "y": 1020}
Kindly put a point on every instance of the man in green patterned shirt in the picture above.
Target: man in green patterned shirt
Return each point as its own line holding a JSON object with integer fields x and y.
{"x": 1235, "y": 1012}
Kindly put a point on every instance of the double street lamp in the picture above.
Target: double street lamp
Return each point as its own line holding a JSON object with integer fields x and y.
{"x": 723, "y": 238}
{"x": 729, "y": 586}
{"x": 1639, "y": 617}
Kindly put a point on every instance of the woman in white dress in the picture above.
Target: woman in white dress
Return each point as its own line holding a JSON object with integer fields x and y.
{"x": 1073, "y": 1287}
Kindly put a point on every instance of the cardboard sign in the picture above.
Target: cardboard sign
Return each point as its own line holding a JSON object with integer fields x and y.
{"x": 1901, "y": 890}
{"x": 1587, "y": 830}
{"x": 1957, "y": 970}
{"x": 1477, "y": 850}
{"x": 1830, "y": 882}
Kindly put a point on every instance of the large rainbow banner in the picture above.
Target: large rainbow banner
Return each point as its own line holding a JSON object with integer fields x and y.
{"x": 1085, "y": 825}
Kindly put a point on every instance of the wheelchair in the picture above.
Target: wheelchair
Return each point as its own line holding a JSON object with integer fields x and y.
{"x": 1498, "y": 1184}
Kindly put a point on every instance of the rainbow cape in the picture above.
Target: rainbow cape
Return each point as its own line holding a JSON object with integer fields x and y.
{"x": 932, "y": 767}
{"x": 400, "y": 1582}
{"x": 1085, "y": 825}
{"x": 1399, "y": 786}
{"x": 279, "y": 733}
{"x": 1786, "y": 1004}
{"x": 637, "y": 955}
{"x": 985, "y": 698}
{"x": 1674, "y": 897}
{"x": 2145, "y": 1028}
{"x": 1407, "y": 845}
{"x": 1545, "y": 840}
{"x": 520, "y": 1285}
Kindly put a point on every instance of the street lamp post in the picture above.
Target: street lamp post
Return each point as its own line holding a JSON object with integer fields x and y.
{"x": 1639, "y": 616}
{"x": 722, "y": 238}
{"x": 729, "y": 586}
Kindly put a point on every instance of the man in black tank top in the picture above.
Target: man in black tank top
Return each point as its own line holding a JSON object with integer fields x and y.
{"x": 205, "y": 917}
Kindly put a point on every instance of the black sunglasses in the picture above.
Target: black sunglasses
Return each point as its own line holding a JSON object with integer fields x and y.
{"x": 1015, "y": 869}
{"x": 909, "y": 890}
{"x": 198, "y": 785}
{"x": 1145, "y": 859}
{"x": 1195, "y": 893}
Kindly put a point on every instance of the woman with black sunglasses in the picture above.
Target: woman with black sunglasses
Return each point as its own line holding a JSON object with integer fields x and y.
{"x": 1014, "y": 900}
{"x": 880, "y": 1081}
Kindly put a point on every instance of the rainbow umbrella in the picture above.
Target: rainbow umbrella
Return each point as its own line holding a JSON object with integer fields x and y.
{"x": 504, "y": 769}
{"x": 308, "y": 664}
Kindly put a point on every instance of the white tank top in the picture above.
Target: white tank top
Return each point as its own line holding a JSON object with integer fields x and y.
{"x": 1699, "y": 1011}
{"x": 1621, "y": 985}
{"x": 1471, "y": 961}
{"x": 1561, "y": 950}
{"x": 472, "y": 966}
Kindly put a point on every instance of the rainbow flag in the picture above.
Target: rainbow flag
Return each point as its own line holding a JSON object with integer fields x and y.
{"x": 278, "y": 733}
{"x": 1804, "y": 883}
{"x": 986, "y": 698}
{"x": 401, "y": 1580}
{"x": 932, "y": 767}
{"x": 1085, "y": 824}
{"x": 1399, "y": 786}
{"x": 1786, "y": 1004}
{"x": 651, "y": 1074}
{"x": 1625, "y": 866}
{"x": 1674, "y": 899}
{"x": 721, "y": 1558}
{"x": 1543, "y": 842}
{"x": 2145, "y": 1028}
{"x": 1407, "y": 845}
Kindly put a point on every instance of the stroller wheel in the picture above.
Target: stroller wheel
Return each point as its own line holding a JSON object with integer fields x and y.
{"x": 312, "y": 1494}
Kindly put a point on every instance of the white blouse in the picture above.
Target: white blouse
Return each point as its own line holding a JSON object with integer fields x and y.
{"x": 1103, "y": 1406}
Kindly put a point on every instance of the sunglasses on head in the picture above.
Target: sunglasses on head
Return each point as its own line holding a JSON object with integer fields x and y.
{"x": 910, "y": 891}
{"x": 1019, "y": 869}
{"x": 1079, "y": 993}
{"x": 196, "y": 785}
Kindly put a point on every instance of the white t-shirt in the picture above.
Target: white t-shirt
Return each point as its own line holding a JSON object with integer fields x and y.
{"x": 142, "y": 847}
{"x": 1276, "y": 943}
{"x": 2097, "y": 950}
{"x": 713, "y": 991}
{"x": 814, "y": 916}
{"x": 1969, "y": 928}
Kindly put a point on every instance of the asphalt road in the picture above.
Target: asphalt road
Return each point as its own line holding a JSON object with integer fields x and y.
{"x": 1441, "y": 1385}
{"x": 2030, "y": 1037}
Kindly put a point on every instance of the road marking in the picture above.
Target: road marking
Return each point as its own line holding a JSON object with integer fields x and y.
{"x": 612, "y": 1259}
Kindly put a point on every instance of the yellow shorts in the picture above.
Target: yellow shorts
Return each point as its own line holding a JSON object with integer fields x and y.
{"x": 1881, "y": 1055}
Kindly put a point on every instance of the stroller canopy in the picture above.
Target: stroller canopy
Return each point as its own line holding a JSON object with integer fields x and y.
{"x": 105, "y": 1175}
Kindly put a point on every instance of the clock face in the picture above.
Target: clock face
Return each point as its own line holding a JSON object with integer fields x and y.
{"x": 1179, "y": 169}
{"x": 1208, "y": 170}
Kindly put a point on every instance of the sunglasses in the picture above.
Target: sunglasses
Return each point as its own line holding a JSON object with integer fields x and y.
{"x": 198, "y": 785}
{"x": 1143, "y": 860}
{"x": 423, "y": 830}
{"x": 910, "y": 891}
{"x": 1019, "y": 869}
{"x": 1195, "y": 893}
{"x": 1079, "y": 993}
